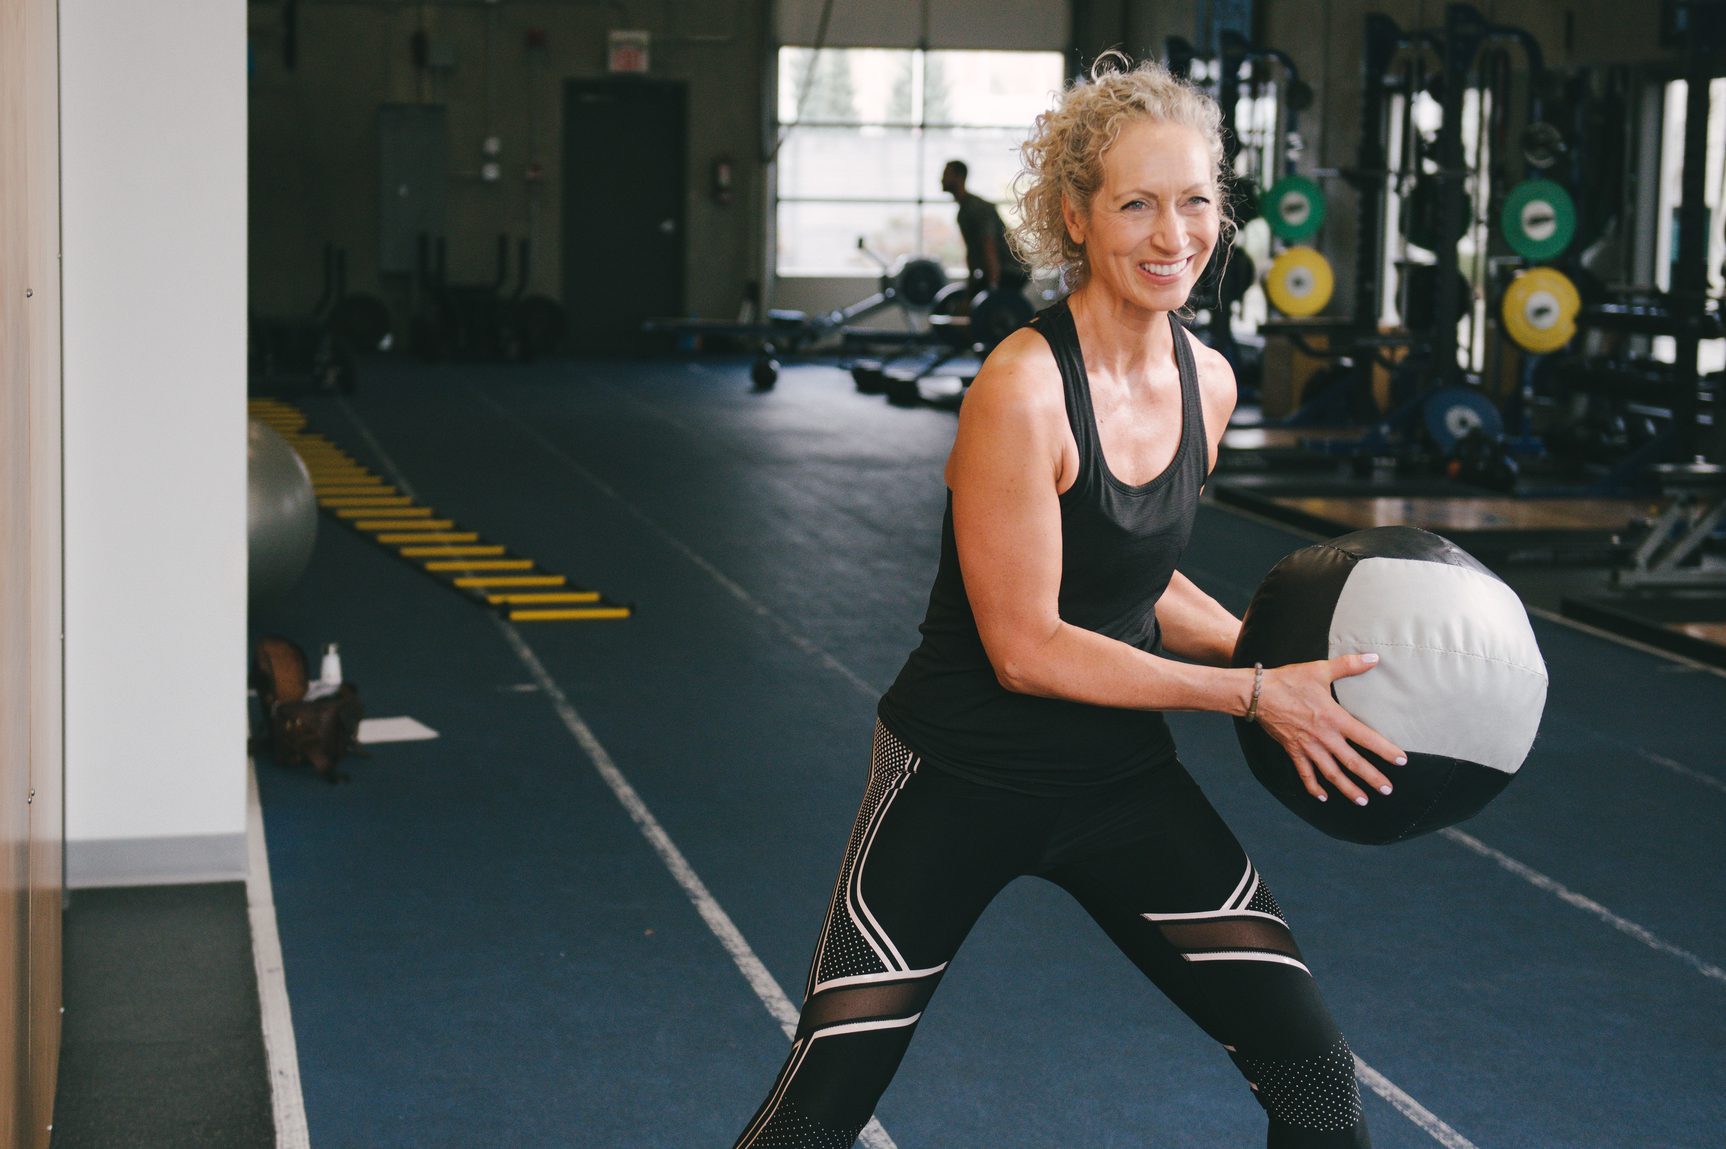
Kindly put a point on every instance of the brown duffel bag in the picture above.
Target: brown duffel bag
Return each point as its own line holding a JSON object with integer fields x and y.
{"x": 320, "y": 731}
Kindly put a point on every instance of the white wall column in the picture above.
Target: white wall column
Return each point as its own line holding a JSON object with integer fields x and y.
{"x": 153, "y": 169}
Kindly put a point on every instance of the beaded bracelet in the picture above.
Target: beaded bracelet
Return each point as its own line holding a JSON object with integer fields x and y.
{"x": 1252, "y": 714}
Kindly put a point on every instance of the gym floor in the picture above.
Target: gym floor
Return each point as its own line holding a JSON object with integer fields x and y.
{"x": 575, "y": 917}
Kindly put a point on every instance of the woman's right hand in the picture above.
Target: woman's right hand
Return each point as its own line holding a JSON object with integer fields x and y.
{"x": 1297, "y": 709}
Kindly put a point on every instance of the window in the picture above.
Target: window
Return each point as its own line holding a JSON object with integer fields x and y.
{"x": 865, "y": 133}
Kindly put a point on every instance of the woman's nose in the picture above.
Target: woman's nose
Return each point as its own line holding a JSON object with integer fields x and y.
{"x": 1169, "y": 230}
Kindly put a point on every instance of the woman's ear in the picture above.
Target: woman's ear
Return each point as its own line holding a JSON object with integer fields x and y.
{"x": 1074, "y": 218}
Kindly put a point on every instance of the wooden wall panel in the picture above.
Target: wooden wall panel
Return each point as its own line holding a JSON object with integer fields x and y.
{"x": 47, "y": 758}
{"x": 31, "y": 773}
{"x": 14, "y": 585}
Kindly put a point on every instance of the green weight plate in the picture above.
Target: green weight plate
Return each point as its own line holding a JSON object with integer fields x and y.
{"x": 1294, "y": 208}
{"x": 1539, "y": 219}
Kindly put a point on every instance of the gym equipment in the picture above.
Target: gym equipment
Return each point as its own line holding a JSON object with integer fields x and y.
{"x": 486, "y": 573}
{"x": 1698, "y": 505}
{"x": 1539, "y": 309}
{"x": 477, "y": 321}
{"x": 1240, "y": 69}
{"x": 896, "y": 363}
{"x": 1538, "y": 220}
{"x": 1420, "y": 283}
{"x": 1299, "y": 282}
{"x": 317, "y": 350}
{"x": 944, "y": 326}
{"x": 1294, "y": 207}
{"x": 1542, "y": 145}
{"x": 281, "y": 515}
{"x": 1460, "y": 685}
{"x": 1454, "y": 414}
{"x": 1435, "y": 409}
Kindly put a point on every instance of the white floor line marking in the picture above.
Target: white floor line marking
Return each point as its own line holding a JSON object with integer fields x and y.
{"x": 280, "y": 1052}
{"x": 1682, "y": 770}
{"x": 728, "y": 584}
{"x": 1410, "y": 1108}
{"x": 766, "y": 988}
{"x": 718, "y": 921}
{"x": 1676, "y": 767}
{"x": 1541, "y": 881}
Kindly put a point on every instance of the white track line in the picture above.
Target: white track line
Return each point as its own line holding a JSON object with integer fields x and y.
{"x": 766, "y": 988}
{"x": 1428, "y": 1122}
{"x": 1623, "y": 925}
{"x": 1687, "y": 772}
{"x": 718, "y": 921}
{"x": 280, "y": 1052}
{"x": 1681, "y": 770}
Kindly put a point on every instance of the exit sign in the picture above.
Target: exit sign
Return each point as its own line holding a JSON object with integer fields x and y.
{"x": 627, "y": 52}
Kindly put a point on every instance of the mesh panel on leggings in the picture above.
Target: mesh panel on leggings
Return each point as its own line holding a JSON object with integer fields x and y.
{"x": 845, "y": 952}
{"x": 1313, "y": 1093}
{"x": 1264, "y": 902}
{"x": 790, "y": 1129}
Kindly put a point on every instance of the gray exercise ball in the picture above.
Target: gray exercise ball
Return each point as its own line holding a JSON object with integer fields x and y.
{"x": 281, "y": 515}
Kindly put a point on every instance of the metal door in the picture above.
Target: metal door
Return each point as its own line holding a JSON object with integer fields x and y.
{"x": 624, "y": 157}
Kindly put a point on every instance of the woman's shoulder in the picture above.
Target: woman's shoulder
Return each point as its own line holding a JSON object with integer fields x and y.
{"x": 1020, "y": 371}
{"x": 1216, "y": 379}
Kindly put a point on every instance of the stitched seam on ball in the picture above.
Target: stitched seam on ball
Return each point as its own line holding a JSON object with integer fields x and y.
{"x": 1459, "y": 653}
{"x": 1418, "y": 819}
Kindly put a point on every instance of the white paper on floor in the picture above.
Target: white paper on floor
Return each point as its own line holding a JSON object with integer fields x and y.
{"x": 374, "y": 730}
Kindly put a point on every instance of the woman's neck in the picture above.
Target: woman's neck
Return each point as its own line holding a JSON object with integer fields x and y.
{"x": 1117, "y": 336}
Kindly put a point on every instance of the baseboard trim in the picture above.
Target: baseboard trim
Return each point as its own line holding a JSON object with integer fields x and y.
{"x": 156, "y": 861}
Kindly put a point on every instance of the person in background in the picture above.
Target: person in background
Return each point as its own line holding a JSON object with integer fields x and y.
{"x": 992, "y": 264}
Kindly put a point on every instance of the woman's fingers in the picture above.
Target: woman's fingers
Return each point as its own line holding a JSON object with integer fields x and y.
{"x": 1366, "y": 737}
{"x": 1330, "y": 764}
{"x": 1324, "y": 741}
{"x": 1349, "y": 665}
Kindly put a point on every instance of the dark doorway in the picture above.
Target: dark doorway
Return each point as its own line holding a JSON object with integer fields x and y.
{"x": 624, "y": 150}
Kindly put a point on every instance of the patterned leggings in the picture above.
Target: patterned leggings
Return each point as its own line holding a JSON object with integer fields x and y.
{"x": 1148, "y": 858}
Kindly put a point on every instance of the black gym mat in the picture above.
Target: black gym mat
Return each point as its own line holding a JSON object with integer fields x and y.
{"x": 162, "y": 1043}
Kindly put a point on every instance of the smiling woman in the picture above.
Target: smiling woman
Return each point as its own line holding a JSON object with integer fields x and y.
{"x": 1063, "y": 158}
{"x": 1025, "y": 734}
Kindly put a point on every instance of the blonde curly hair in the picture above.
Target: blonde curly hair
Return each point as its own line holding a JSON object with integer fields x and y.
{"x": 1063, "y": 158}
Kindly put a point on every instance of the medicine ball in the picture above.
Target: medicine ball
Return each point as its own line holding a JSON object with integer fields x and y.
{"x": 1459, "y": 685}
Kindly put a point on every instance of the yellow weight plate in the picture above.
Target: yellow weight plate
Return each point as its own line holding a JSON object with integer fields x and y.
{"x": 1539, "y": 310}
{"x": 1299, "y": 282}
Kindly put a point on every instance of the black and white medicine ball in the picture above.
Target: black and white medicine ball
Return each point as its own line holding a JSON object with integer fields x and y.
{"x": 1459, "y": 685}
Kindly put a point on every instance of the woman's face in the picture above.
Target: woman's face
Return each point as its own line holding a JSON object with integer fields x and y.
{"x": 1153, "y": 224}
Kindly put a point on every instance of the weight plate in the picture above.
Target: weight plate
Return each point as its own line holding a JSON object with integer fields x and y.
{"x": 920, "y": 280}
{"x": 1539, "y": 310}
{"x": 1542, "y": 145}
{"x": 1450, "y": 413}
{"x": 997, "y": 314}
{"x": 1294, "y": 208}
{"x": 1539, "y": 219}
{"x": 1299, "y": 282}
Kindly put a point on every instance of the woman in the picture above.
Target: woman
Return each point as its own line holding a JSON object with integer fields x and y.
{"x": 1025, "y": 734}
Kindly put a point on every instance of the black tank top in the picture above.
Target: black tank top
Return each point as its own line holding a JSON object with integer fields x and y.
{"x": 1119, "y": 547}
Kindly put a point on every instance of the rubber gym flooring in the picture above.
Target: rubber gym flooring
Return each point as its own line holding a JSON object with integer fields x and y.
{"x": 572, "y": 918}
